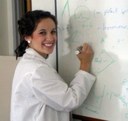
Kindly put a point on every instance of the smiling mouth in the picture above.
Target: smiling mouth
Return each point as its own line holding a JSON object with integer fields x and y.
{"x": 49, "y": 45}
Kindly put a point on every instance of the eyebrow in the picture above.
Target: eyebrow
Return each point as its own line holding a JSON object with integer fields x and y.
{"x": 45, "y": 29}
{"x": 42, "y": 29}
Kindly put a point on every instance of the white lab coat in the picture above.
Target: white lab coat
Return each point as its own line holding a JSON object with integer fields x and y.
{"x": 40, "y": 94}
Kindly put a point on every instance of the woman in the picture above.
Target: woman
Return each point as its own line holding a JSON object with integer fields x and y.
{"x": 38, "y": 92}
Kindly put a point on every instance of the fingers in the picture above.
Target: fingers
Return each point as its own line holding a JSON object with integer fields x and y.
{"x": 81, "y": 48}
{"x": 87, "y": 48}
{"x": 84, "y": 49}
{"x": 78, "y": 50}
{"x": 85, "y": 57}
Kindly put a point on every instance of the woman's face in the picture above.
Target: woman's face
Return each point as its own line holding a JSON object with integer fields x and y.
{"x": 43, "y": 39}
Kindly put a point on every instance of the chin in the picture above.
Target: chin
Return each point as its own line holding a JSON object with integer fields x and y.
{"x": 49, "y": 52}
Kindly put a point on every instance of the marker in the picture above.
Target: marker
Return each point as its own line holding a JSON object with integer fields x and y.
{"x": 78, "y": 50}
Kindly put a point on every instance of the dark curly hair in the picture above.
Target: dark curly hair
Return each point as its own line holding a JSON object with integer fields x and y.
{"x": 26, "y": 26}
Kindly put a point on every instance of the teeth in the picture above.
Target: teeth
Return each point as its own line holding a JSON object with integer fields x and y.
{"x": 48, "y": 45}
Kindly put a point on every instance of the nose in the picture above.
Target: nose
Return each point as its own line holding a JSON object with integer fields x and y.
{"x": 50, "y": 37}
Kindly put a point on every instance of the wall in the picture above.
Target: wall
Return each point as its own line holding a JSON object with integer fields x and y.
{"x": 3, "y": 28}
{"x": 7, "y": 63}
{"x": 48, "y": 5}
{"x": 7, "y": 67}
{"x": 6, "y": 27}
{"x": 11, "y": 22}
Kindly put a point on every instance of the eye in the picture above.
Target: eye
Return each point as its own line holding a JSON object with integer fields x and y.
{"x": 43, "y": 33}
{"x": 53, "y": 32}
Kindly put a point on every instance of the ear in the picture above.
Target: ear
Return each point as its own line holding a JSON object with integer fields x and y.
{"x": 28, "y": 39}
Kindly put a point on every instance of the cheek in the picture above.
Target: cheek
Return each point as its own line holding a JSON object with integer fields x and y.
{"x": 55, "y": 38}
{"x": 39, "y": 39}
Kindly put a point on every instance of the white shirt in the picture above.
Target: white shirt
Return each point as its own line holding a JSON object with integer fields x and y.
{"x": 40, "y": 94}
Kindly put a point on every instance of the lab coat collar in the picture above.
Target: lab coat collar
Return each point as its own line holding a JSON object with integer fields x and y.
{"x": 35, "y": 55}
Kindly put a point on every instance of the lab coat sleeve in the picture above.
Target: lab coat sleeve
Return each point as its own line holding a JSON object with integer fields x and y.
{"x": 51, "y": 90}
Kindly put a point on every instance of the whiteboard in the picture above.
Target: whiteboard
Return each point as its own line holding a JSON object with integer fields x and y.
{"x": 104, "y": 25}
